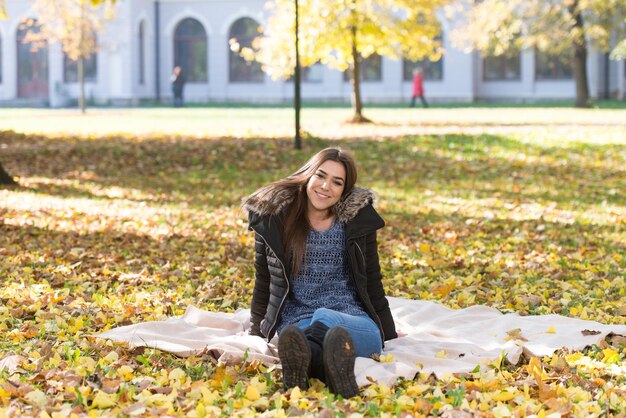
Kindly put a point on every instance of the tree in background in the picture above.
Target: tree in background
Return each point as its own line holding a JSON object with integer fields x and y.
{"x": 5, "y": 178}
{"x": 340, "y": 33}
{"x": 75, "y": 24}
{"x": 554, "y": 26}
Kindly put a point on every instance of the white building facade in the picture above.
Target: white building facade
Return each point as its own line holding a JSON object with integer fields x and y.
{"x": 149, "y": 37}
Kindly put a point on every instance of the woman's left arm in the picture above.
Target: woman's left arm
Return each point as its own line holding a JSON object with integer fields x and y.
{"x": 375, "y": 288}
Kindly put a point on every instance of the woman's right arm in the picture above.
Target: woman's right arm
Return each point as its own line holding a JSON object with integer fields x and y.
{"x": 261, "y": 293}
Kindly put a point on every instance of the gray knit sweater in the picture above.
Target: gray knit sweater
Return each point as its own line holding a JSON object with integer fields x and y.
{"x": 323, "y": 280}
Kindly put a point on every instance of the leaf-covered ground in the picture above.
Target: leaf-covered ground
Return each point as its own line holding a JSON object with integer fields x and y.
{"x": 527, "y": 215}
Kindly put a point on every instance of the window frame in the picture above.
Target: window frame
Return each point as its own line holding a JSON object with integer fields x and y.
{"x": 503, "y": 62}
{"x": 70, "y": 69}
{"x": 427, "y": 66}
{"x": 241, "y": 71}
{"x": 365, "y": 62}
{"x": 192, "y": 44}
{"x": 555, "y": 59}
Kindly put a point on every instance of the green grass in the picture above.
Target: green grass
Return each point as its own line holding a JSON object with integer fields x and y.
{"x": 308, "y": 104}
{"x": 251, "y": 122}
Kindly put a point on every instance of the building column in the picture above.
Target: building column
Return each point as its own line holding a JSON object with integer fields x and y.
{"x": 57, "y": 91}
{"x": 9, "y": 62}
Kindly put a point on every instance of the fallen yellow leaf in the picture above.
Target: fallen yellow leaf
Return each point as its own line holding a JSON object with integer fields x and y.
{"x": 504, "y": 396}
{"x": 252, "y": 394}
{"x": 103, "y": 400}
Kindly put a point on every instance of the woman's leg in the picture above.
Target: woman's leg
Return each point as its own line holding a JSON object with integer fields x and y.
{"x": 295, "y": 357}
{"x": 334, "y": 340}
{"x": 344, "y": 338}
{"x": 363, "y": 330}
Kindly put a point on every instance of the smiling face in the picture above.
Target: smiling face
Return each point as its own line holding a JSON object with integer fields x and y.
{"x": 325, "y": 187}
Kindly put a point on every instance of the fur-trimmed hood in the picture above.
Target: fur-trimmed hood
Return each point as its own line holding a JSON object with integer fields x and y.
{"x": 264, "y": 204}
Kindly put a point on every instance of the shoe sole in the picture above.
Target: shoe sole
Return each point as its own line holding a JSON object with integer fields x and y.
{"x": 339, "y": 358}
{"x": 295, "y": 356}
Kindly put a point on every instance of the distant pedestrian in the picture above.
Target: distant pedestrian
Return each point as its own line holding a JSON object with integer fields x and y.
{"x": 418, "y": 87}
{"x": 178, "y": 83}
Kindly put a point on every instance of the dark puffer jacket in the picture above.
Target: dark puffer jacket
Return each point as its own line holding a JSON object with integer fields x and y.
{"x": 272, "y": 284}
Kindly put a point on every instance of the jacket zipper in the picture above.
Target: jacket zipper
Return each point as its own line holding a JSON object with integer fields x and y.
{"x": 280, "y": 307}
{"x": 380, "y": 326}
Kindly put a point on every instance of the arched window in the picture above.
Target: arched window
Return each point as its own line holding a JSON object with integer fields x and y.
{"x": 32, "y": 62}
{"x": 190, "y": 50}
{"x": 141, "y": 40}
{"x": 241, "y": 35}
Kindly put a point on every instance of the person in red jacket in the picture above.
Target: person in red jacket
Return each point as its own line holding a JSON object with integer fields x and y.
{"x": 418, "y": 87}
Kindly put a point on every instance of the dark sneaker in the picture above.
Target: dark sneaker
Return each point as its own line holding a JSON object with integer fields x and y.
{"x": 339, "y": 357}
{"x": 295, "y": 357}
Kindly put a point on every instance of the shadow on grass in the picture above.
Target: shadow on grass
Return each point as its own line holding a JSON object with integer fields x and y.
{"x": 213, "y": 173}
{"x": 130, "y": 262}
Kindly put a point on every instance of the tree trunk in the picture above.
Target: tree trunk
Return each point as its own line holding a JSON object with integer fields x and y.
{"x": 81, "y": 79}
{"x": 357, "y": 103}
{"x": 580, "y": 59}
{"x": 297, "y": 142}
{"x": 5, "y": 178}
{"x": 81, "y": 59}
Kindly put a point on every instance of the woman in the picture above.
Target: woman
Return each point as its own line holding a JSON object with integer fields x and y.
{"x": 318, "y": 281}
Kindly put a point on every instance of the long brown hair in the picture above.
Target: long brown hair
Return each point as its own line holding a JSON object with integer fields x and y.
{"x": 296, "y": 221}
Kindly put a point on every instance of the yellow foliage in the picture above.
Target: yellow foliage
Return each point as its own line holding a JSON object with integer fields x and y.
{"x": 504, "y": 396}
{"x": 392, "y": 28}
{"x": 176, "y": 374}
{"x": 252, "y": 393}
{"x": 125, "y": 372}
{"x": 103, "y": 400}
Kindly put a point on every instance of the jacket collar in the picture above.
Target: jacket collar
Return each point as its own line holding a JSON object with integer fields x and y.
{"x": 354, "y": 209}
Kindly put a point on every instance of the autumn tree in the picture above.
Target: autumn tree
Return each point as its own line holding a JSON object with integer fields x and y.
{"x": 555, "y": 27}
{"x": 340, "y": 33}
{"x": 75, "y": 24}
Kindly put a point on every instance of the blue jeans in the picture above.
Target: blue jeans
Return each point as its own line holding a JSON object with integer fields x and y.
{"x": 363, "y": 330}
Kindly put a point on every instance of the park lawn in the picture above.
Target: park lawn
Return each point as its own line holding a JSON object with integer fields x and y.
{"x": 138, "y": 217}
{"x": 267, "y": 122}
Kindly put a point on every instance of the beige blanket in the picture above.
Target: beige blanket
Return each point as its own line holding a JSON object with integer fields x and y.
{"x": 438, "y": 340}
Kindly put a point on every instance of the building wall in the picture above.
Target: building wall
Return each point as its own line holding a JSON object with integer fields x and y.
{"x": 118, "y": 78}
